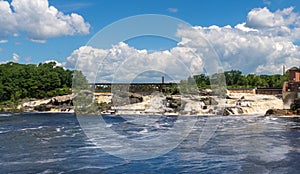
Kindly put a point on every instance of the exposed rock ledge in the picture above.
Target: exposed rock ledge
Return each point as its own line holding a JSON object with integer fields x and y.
{"x": 54, "y": 104}
{"x": 236, "y": 104}
{"x": 282, "y": 112}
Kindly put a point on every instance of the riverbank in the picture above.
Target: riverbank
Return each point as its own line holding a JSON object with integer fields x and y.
{"x": 59, "y": 104}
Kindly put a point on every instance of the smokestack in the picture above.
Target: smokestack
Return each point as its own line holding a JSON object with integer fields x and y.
{"x": 162, "y": 83}
{"x": 283, "y": 69}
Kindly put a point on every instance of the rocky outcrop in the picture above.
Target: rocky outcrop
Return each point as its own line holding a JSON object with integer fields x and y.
{"x": 133, "y": 103}
{"x": 173, "y": 103}
{"x": 66, "y": 100}
{"x": 232, "y": 111}
{"x": 126, "y": 98}
{"x": 135, "y": 98}
{"x": 279, "y": 112}
{"x": 55, "y": 104}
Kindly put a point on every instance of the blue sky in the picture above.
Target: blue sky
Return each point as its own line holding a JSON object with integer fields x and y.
{"x": 31, "y": 48}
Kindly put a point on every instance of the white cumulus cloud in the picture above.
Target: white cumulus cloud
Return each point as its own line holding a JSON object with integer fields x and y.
{"x": 284, "y": 22}
{"x": 123, "y": 63}
{"x": 262, "y": 44}
{"x": 38, "y": 20}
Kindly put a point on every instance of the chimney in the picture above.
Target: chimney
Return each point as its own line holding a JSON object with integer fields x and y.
{"x": 283, "y": 69}
{"x": 162, "y": 83}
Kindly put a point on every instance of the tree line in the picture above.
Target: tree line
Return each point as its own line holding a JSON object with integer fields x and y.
{"x": 20, "y": 81}
{"x": 235, "y": 79}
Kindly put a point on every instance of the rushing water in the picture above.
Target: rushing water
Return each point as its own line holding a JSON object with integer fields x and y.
{"x": 55, "y": 143}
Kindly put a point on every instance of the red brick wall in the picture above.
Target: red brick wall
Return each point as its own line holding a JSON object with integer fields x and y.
{"x": 294, "y": 76}
{"x": 297, "y": 76}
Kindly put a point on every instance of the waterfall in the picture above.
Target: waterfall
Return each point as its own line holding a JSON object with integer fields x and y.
{"x": 235, "y": 104}
{"x": 255, "y": 103}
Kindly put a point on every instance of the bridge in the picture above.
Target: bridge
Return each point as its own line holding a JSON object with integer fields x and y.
{"x": 132, "y": 87}
{"x": 135, "y": 87}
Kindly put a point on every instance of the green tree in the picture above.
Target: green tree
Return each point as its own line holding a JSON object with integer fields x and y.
{"x": 202, "y": 81}
{"x": 33, "y": 81}
{"x": 233, "y": 77}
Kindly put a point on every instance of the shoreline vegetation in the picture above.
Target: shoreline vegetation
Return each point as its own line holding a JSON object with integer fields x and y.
{"x": 48, "y": 88}
{"x": 24, "y": 82}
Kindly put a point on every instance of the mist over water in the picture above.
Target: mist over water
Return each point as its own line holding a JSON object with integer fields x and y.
{"x": 55, "y": 143}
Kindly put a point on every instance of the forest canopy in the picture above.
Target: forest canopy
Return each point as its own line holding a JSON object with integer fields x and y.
{"x": 19, "y": 81}
{"x": 235, "y": 79}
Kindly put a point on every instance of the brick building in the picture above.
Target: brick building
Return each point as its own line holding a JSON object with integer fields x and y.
{"x": 291, "y": 89}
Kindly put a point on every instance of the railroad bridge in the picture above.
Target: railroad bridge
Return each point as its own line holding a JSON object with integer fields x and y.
{"x": 142, "y": 88}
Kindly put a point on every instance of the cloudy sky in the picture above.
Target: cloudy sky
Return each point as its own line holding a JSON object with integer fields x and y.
{"x": 254, "y": 36}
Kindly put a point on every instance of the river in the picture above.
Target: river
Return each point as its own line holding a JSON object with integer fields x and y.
{"x": 56, "y": 143}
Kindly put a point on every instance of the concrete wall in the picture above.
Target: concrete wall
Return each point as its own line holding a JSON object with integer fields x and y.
{"x": 268, "y": 91}
{"x": 241, "y": 90}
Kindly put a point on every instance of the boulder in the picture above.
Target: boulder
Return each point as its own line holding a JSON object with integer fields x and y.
{"x": 278, "y": 112}
{"x": 209, "y": 101}
{"x": 135, "y": 98}
{"x": 62, "y": 100}
{"x": 175, "y": 103}
{"x": 123, "y": 98}
{"x": 232, "y": 111}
